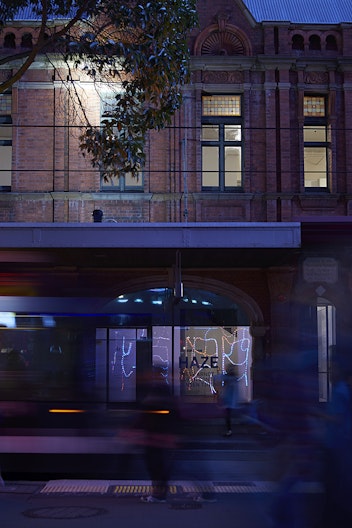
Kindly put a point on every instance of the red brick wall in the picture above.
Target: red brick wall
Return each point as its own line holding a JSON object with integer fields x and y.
{"x": 272, "y": 78}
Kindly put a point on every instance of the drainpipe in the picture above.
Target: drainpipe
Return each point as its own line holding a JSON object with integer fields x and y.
{"x": 184, "y": 156}
{"x": 185, "y": 177}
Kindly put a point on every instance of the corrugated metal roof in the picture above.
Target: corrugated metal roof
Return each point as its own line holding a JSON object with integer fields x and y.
{"x": 27, "y": 14}
{"x": 297, "y": 11}
{"x": 301, "y": 11}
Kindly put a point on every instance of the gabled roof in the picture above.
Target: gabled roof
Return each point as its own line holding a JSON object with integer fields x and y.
{"x": 301, "y": 11}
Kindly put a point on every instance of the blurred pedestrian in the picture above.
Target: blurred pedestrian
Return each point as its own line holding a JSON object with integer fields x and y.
{"x": 294, "y": 405}
{"x": 229, "y": 396}
{"x": 338, "y": 454}
{"x": 159, "y": 421}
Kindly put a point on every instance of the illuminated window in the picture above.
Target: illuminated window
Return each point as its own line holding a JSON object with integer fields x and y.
{"x": 109, "y": 181}
{"x": 5, "y": 141}
{"x": 314, "y": 106}
{"x": 221, "y": 105}
{"x": 316, "y": 145}
{"x": 221, "y": 143}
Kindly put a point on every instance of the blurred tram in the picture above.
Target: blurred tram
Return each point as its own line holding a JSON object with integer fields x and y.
{"x": 72, "y": 370}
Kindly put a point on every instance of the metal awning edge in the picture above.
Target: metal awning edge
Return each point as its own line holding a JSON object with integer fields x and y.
{"x": 151, "y": 235}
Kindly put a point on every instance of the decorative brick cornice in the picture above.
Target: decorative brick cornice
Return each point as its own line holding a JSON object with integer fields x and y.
{"x": 314, "y": 77}
{"x": 224, "y": 77}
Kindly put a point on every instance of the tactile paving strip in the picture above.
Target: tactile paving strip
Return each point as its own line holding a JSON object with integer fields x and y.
{"x": 140, "y": 489}
{"x": 196, "y": 488}
{"x": 233, "y": 487}
{"x": 76, "y": 486}
{"x": 130, "y": 488}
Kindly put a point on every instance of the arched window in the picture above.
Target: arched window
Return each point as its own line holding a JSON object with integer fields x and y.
{"x": 298, "y": 42}
{"x": 314, "y": 43}
{"x": 223, "y": 43}
{"x": 27, "y": 40}
{"x": 330, "y": 43}
{"x": 10, "y": 41}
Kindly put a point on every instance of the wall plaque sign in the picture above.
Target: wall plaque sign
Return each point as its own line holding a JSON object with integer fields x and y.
{"x": 320, "y": 269}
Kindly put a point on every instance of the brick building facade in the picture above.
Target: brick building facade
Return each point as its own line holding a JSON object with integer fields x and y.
{"x": 262, "y": 139}
{"x": 271, "y": 67}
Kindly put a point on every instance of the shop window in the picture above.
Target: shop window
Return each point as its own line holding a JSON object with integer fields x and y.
{"x": 316, "y": 145}
{"x": 109, "y": 180}
{"x": 298, "y": 43}
{"x": 5, "y": 141}
{"x": 221, "y": 143}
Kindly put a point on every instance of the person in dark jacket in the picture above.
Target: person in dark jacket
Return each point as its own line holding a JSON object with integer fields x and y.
{"x": 338, "y": 449}
{"x": 159, "y": 420}
{"x": 229, "y": 396}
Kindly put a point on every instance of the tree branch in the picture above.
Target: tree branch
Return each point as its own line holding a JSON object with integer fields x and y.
{"x": 40, "y": 44}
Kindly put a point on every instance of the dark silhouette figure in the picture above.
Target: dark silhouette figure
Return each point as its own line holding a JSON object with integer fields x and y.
{"x": 159, "y": 423}
{"x": 229, "y": 396}
{"x": 338, "y": 450}
{"x": 293, "y": 401}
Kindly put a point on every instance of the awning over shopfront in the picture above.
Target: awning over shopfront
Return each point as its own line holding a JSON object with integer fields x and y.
{"x": 152, "y": 235}
{"x": 99, "y": 245}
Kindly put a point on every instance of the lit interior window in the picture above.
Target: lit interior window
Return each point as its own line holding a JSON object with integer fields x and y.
{"x": 314, "y": 106}
{"x": 221, "y": 105}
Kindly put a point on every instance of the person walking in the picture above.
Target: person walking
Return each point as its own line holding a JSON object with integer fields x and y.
{"x": 338, "y": 455}
{"x": 229, "y": 396}
{"x": 159, "y": 420}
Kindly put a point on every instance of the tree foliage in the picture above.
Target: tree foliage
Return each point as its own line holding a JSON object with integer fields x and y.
{"x": 141, "y": 46}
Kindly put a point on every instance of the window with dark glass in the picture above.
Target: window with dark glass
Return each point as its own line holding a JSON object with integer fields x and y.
{"x": 10, "y": 41}
{"x": 221, "y": 142}
{"x": 314, "y": 43}
{"x": 27, "y": 40}
{"x": 316, "y": 144}
{"x": 298, "y": 42}
{"x": 5, "y": 141}
{"x": 330, "y": 43}
{"x": 109, "y": 180}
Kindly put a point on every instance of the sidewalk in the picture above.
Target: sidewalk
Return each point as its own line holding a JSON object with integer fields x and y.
{"x": 237, "y": 469}
{"x": 107, "y": 504}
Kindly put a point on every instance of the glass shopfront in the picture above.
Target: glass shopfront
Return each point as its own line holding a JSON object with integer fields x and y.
{"x": 102, "y": 357}
{"x": 190, "y": 357}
